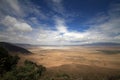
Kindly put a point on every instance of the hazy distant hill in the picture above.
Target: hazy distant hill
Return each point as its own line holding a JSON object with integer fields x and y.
{"x": 13, "y": 48}
{"x": 23, "y": 45}
{"x": 102, "y": 44}
{"x": 91, "y": 44}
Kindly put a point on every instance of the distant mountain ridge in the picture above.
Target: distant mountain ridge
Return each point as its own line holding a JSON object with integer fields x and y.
{"x": 102, "y": 44}
{"x": 89, "y": 44}
{"x": 23, "y": 45}
{"x": 13, "y": 48}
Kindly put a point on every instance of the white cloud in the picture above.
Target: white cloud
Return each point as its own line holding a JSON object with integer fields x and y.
{"x": 103, "y": 28}
{"x": 15, "y": 25}
{"x": 15, "y": 37}
{"x": 103, "y": 31}
{"x": 60, "y": 25}
{"x": 60, "y": 36}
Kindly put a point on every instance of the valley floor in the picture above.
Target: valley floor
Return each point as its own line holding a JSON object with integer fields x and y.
{"x": 77, "y": 63}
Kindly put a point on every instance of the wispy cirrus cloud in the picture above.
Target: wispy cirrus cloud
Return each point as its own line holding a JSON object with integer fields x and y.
{"x": 107, "y": 28}
{"x": 20, "y": 9}
{"x": 11, "y": 7}
{"x": 56, "y": 5}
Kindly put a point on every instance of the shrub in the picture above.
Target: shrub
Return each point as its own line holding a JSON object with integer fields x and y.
{"x": 9, "y": 70}
{"x": 30, "y": 71}
{"x": 7, "y": 62}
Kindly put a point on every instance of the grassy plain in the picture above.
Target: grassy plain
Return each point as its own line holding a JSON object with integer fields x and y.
{"x": 77, "y": 62}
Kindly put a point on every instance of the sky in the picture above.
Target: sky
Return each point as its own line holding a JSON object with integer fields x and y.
{"x": 59, "y": 22}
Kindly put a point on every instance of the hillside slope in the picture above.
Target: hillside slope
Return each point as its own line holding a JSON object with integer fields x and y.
{"x": 13, "y": 48}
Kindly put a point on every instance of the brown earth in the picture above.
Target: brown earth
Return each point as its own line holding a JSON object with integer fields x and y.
{"x": 76, "y": 62}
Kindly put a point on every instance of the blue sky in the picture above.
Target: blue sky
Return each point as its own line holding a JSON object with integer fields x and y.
{"x": 60, "y": 22}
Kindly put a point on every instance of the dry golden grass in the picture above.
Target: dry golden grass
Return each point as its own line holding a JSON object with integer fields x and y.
{"x": 76, "y": 63}
{"x": 52, "y": 57}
